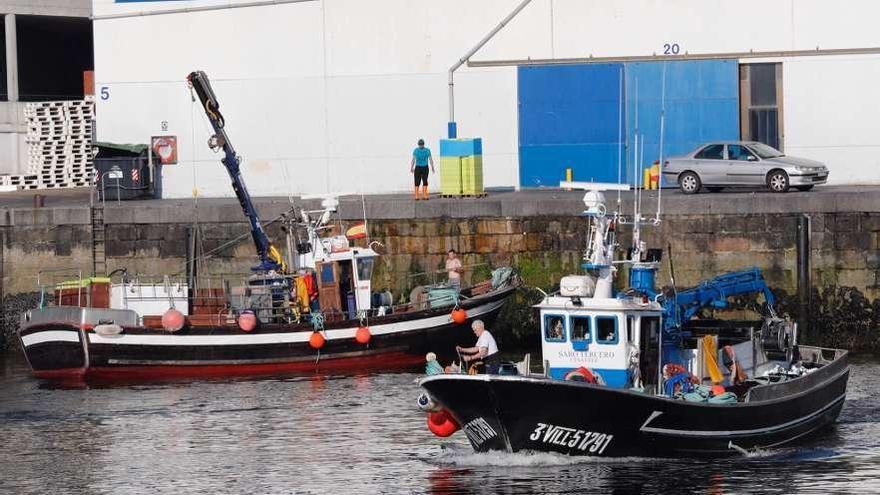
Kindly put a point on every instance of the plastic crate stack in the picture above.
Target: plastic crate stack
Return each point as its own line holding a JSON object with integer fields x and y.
{"x": 59, "y": 137}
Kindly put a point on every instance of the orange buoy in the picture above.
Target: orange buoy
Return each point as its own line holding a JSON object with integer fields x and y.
{"x": 442, "y": 424}
{"x": 173, "y": 320}
{"x": 362, "y": 335}
{"x": 247, "y": 321}
{"x": 459, "y": 316}
{"x": 317, "y": 340}
{"x": 718, "y": 390}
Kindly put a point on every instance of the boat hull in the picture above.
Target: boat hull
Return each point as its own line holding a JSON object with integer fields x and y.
{"x": 68, "y": 349}
{"x": 510, "y": 413}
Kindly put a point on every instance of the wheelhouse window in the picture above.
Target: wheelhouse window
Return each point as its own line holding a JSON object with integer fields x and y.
{"x": 630, "y": 328}
{"x": 606, "y": 330}
{"x": 711, "y": 152}
{"x": 580, "y": 328}
{"x": 554, "y": 328}
{"x": 740, "y": 153}
{"x": 365, "y": 268}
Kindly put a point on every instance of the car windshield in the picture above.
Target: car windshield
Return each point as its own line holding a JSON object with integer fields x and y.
{"x": 765, "y": 151}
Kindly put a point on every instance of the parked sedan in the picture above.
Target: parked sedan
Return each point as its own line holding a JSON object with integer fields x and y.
{"x": 743, "y": 164}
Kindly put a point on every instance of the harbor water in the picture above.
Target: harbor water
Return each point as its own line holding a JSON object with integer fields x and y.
{"x": 359, "y": 434}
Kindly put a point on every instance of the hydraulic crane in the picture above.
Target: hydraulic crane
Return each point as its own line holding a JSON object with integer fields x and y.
{"x": 270, "y": 257}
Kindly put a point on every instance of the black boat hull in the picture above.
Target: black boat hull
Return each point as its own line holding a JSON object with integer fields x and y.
{"x": 511, "y": 413}
{"x": 68, "y": 349}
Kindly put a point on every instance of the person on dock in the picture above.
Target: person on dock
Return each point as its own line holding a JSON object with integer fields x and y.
{"x": 453, "y": 269}
{"x": 418, "y": 166}
{"x": 486, "y": 349}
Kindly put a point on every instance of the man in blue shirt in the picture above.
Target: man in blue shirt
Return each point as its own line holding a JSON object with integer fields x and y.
{"x": 419, "y": 168}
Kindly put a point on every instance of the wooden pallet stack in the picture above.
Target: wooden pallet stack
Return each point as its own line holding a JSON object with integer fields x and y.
{"x": 59, "y": 138}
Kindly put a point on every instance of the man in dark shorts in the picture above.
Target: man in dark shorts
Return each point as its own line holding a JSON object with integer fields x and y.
{"x": 419, "y": 168}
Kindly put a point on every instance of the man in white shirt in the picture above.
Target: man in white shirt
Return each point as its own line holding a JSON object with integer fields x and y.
{"x": 486, "y": 349}
{"x": 453, "y": 269}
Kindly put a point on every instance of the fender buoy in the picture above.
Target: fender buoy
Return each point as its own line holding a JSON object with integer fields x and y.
{"x": 362, "y": 335}
{"x": 173, "y": 320}
{"x": 316, "y": 341}
{"x": 459, "y": 316}
{"x": 441, "y": 423}
{"x": 581, "y": 375}
{"x": 718, "y": 389}
{"x": 247, "y": 321}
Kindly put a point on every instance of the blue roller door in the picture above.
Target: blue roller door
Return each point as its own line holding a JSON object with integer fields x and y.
{"x": 702, "y": 104}
{"x": 569, "y": 117}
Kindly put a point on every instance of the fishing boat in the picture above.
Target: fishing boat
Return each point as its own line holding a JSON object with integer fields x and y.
{"x": 314, "y": 311}
{"x": 634, "y": 372}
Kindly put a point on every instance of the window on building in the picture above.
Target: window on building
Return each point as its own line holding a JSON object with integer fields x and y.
{"x": 711, "y": 152}
{"x": 761, "y": 103}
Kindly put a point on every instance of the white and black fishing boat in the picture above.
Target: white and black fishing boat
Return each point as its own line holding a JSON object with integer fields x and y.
{"x": 633, "y": 373}
{"x": 315, "y": 311}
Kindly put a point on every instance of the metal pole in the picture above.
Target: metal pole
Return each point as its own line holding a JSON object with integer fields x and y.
{"x": 452, "y": 131}
{"x": 803, "y": 271}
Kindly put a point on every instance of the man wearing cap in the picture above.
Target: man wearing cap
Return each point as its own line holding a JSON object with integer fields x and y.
{"x": 419, "y": 168}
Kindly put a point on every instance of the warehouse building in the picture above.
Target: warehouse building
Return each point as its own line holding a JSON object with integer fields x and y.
{"x": 331, "y": 95}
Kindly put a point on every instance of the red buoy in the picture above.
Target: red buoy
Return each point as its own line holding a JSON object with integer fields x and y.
{"x": 581, "y": 375}
{"x": 362, "y": 335}
{"x": 459, "y": 316}
{"x": 718, "y": 389}
{"x": 173, "y": 320}
{"x": 316, "y": 341}
{"x": 442, "y": 424}
{"x": 247, "y": 321}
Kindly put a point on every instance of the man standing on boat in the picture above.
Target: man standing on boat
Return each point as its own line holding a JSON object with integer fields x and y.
{"x": 453, "y": 269}
{"x": 418, "y": 166}
{"x": 486, "y": 349}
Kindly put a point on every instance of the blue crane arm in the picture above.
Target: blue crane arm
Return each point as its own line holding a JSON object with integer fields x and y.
{"x": 686, "y": 303}
{"x": 270, "y": 258}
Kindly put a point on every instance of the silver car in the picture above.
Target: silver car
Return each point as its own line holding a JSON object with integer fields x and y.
{"x": 742, "y": 164}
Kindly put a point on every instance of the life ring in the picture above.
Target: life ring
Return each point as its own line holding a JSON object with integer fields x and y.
{"x": 442, "y": 424}
{"x": 584, "y": 375}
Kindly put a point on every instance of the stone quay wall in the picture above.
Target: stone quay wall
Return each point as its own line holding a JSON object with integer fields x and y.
{"x": 845, "y": 251}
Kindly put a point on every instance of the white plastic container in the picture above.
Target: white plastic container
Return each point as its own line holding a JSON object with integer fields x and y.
{"x": 577, "y": 285}
{"x": 149, "y": 299}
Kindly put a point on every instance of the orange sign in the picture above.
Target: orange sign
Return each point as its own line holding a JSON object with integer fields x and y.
{"x": 165, "y": 148}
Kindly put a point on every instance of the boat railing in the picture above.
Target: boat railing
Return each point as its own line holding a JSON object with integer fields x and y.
{"x": 56, "y": 282}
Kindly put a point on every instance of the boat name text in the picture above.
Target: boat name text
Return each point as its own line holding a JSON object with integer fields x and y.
{"x": 479, "y": 431}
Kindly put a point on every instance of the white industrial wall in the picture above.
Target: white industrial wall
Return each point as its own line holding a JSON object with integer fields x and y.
{"x": 331, "y": 95}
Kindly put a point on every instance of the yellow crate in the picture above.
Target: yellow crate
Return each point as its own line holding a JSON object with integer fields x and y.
{"x": 450, "y": 175}
{"x": 472, "y": 174}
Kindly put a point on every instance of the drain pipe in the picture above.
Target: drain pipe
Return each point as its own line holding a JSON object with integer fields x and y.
{"x": 452, "y": 128}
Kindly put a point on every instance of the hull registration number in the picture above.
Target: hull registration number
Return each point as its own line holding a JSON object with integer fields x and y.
{"x": 586, "y": 441}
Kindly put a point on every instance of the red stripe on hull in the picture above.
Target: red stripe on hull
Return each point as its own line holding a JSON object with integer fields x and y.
{"x": 380, "y": 362}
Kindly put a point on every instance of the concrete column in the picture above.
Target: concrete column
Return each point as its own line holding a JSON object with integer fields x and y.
{"x": 11, "y": 58}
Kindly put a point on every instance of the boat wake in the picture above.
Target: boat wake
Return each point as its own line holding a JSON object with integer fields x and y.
{"x": 464, "y": 456}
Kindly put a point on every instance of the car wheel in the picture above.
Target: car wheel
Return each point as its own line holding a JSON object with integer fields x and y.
{"x": 803, "y": 188}
{"x": 714, "y": 189}
{"x": 777, "y": 181}
{"x": 689, "y": 183}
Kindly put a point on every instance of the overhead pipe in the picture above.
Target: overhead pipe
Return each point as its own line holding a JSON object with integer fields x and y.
{"x": 452, "y": 128}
